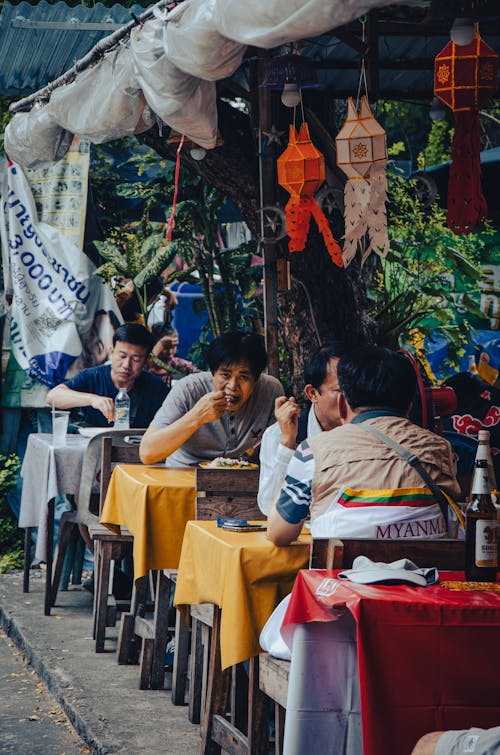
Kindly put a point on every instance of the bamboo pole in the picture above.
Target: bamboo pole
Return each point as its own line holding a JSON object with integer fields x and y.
{"x": 96, "y": 53}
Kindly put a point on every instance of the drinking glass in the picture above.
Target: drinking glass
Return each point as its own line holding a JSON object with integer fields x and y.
{"x": 60, "y": 421}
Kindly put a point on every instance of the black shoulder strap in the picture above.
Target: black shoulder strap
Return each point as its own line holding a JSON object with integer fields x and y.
{"x": 302, "y": 427}
{"x": 414, "y": 462}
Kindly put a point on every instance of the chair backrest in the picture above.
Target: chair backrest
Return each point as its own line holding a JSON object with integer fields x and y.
{"x": 88, "y": 501}
{"x": 117, "y": 448}
{"x": 227, "y": 492}
{"x": 332, "y": 553}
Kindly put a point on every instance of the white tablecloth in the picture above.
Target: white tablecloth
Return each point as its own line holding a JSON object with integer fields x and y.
{"x": 323, "y": 711}
{"x": 48, "y": 471}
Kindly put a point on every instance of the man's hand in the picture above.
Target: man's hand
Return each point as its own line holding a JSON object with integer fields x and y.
{"x": 105, "y": 405}
{"x": 287, "y": 415}
{"x": 210, "y": 407}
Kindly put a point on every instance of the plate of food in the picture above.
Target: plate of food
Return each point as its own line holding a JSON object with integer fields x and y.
{"x": 89, "y": 432}
{"x": 224, "y": 462}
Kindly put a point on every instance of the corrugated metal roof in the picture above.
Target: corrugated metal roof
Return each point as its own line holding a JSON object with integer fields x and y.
{"x": 40, "y": 42}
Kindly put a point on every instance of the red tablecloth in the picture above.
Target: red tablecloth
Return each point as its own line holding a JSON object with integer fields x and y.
{"x": 428, "y": 657}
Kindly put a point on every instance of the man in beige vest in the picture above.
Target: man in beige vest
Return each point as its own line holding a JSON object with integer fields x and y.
{"x": 377, "y": 386}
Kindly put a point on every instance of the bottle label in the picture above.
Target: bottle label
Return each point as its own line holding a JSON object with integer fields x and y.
{"x": 481, "y": 481}
{"x": 486, "y": 543}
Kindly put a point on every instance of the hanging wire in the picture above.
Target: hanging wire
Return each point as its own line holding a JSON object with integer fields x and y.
{"x": 311, "y": 311}
{"x": 302, "y": 105}
{"x": 362, "y": 72}
{"x": 171, "y": 220}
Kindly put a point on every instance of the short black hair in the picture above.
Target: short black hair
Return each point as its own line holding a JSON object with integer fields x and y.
{"x": 237, "y": 346}
{"x": 135, "y": 334}
{"x": 374, "y": 376}
{"x": 316, "y": 365}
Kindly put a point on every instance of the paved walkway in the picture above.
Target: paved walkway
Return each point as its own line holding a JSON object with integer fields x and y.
{"x": 101, "y": 699}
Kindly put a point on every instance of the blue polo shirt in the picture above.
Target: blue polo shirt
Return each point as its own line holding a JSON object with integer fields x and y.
{"x": 146, "y": 396}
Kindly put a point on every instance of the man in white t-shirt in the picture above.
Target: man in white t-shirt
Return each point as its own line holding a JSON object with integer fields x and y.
{"x": 292, "y": 426}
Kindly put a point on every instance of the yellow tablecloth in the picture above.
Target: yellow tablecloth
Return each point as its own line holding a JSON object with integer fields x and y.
{"x": 241, "y": 572}
{"x": 154, "y": 503}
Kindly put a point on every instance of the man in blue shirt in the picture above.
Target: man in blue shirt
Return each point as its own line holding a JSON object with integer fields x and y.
{"x": 94, "y": 390}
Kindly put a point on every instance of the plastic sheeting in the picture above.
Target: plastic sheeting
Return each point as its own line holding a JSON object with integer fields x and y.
{"x": 167, "y": 69}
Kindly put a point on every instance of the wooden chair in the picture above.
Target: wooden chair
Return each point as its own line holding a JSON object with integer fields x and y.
{"x": 231, "y": 493}
{"x": 85, "y": 511}
{"x": 333, "y": 553}
{"x": 108, "y": 546}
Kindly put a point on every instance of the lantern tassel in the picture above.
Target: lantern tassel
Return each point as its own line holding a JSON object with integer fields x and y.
{"x": 331, "y": 244}
{"x": 356, "y": 199}
{"x": 298, "y": 219}
{"x": 298, "y": 213}
{"x": 467, "y": 208}
{"x": 376, "y": 217}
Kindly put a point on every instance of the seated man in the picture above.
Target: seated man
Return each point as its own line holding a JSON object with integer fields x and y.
{"x": 292, "y": 426}
{"x": 376, "y": 388}
{"x": 479, "y": 741}
{"x": 94, "y": 390}
{"x": 223, "y": 412}
{"x": 162, "y": 360}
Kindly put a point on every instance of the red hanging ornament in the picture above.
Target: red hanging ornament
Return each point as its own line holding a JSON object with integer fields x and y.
{"x": 301, "y": 171}
{"x": 465, "y": 77}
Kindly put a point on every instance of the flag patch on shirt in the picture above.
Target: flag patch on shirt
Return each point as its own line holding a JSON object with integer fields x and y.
{"x": 414, "y": 497}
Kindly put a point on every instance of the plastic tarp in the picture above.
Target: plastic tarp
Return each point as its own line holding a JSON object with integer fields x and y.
{"x": 167, "y": 69}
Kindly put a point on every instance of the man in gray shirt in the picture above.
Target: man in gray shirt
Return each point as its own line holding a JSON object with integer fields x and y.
{"x": 223, "y": 412}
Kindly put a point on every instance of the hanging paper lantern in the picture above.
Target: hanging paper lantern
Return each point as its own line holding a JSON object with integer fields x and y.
{"x": 362, "y": 155}
{"x": 301, "y": 171}
{"x": 465, "y": 77}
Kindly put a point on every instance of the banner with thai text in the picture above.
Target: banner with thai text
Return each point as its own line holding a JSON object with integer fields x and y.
{"x": 55, "y": 295}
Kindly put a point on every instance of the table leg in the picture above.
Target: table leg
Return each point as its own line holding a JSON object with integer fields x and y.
{"x": 49, "y": 556}
{"x": 217, "y": 691}
{"x": 27, "y": 558}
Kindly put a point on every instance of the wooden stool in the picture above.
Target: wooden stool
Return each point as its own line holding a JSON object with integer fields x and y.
{"x": 108, "y": 547}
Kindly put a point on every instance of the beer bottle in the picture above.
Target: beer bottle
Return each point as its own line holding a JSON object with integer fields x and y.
{"x": 481, "y": 554}
{"x": 484, "y": 452}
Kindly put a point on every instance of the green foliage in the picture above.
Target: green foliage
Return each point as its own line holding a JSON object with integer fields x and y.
{"x": 438, "y": 148}
{"x": 406, "y": 123}
{"x": 5, "y": 117}
{"x": 428, "y": 280}
{"x": 140, "y": 251}
{"x": 11, "y": 539}
{"x": 11, "y": 561}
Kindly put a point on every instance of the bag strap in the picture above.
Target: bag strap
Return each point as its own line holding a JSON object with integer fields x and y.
{"x": 413, "y": 460}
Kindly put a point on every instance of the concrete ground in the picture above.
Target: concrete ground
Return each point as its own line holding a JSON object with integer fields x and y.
{"x": 101, "y": 699}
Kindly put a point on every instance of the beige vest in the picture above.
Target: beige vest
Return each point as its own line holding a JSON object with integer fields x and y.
{"x": 350, "y": 456}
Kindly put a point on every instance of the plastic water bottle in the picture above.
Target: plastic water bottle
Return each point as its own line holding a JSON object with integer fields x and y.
{"x": 122, "y": 410}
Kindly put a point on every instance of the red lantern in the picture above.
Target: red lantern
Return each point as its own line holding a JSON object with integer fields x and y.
{"x": 301, "y": 171}
{"x": 465, "y": 77}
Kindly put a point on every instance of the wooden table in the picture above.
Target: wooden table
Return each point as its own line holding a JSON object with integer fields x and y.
{"x": 154, "y": 503}
{"x": 48, "y": 470}
{"x": 378, "y": 666}
{"x": 245, "y": 576}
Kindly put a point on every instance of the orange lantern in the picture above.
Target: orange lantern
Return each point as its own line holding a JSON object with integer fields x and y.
{"x": 362, "y": 155}
{"x": 465, "y": 77}
{"x": 301, "y": 171}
